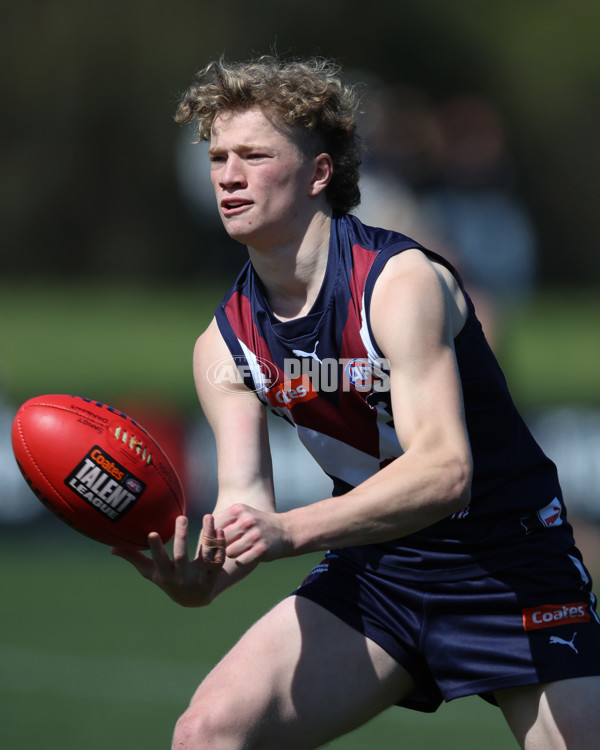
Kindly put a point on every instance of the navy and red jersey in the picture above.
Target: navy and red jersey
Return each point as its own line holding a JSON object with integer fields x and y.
{"x": 325, "y": 374}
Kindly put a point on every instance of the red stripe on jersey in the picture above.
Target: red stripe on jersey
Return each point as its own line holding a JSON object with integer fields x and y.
{"x": 239, "y": 314}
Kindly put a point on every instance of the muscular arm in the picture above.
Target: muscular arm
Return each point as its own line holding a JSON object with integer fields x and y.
{"x": 416, "y": 311}
{"x": 238, "y": 422}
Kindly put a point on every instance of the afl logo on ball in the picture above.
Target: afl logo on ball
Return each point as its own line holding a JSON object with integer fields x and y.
{"x": 134, "y": 485}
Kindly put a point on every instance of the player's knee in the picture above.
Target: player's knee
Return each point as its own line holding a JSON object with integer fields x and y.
{"x": 194, "y": 730}
{"x": 205, "y": 726}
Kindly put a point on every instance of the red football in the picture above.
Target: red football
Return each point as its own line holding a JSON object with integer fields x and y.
{"x": 97, "y": 469}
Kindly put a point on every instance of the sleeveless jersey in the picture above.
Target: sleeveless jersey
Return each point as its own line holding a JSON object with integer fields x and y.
{"x": 325, "y": 374}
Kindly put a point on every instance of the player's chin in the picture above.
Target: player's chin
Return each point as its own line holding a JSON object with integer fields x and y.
{"x": 241, "y": 228}
{"x": 240, "y": 234}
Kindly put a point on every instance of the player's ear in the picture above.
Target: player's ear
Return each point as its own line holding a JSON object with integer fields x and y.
{"x": 322, "y": 173}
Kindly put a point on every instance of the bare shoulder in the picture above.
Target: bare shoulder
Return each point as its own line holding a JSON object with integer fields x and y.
{"x": 210, "y": 343}
{"x": 412, "y": 284}
{"x": 215, "y": 372}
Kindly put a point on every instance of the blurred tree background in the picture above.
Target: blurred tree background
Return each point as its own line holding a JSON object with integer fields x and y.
{"x": 87, "y": 148}
{"x": 109, "y": 269}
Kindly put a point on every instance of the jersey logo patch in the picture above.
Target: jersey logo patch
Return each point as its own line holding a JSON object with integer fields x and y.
{"x": 367, "y": 376}
{"x": 544, "y": 518}
{"x": 291, "y": 392}
{"x": 309, "y": 355}
{"x": 554, "y": 639}
{"x": 551, "y": 615}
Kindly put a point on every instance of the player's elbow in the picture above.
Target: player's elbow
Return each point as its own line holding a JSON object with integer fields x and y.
{"x": 451, "y": 475}
{"x": 458, "y": 478}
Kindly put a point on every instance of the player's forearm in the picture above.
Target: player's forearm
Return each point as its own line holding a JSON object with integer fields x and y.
{"x": 402, "y": 498}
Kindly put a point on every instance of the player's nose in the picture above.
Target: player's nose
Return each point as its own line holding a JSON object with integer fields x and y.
{"x": 232, "y": 173}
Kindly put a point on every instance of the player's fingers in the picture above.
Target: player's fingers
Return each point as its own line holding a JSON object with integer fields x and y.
{"x": 230, "y": 515}
{"x": 161, "y": 558}
{"x": 180, "y": 550}
{"x": 219, "y": 551}
{"x": 245, "y": 551}
{"x": 180, "y": 545}
{"x": 241, "y": 541}
{"x": 212, "y": 544}
{"x": 208, "y": 530}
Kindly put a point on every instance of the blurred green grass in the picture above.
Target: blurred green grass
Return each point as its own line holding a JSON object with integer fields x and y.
{"x": 114, "y": 341}
{"x": 551, "y": 352}
{"x": 93, "y": 656}
{"x": 100, "y": 340}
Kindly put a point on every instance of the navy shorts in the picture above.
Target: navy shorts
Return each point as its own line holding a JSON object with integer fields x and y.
{"x": 516, "y": 627}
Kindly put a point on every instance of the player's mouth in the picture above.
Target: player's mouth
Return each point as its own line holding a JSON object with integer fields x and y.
{"x": 233, "y": 206}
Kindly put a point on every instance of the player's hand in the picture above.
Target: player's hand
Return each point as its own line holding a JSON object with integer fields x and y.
{"x": 253, "y": 535}
{"x": 188, "y": 582}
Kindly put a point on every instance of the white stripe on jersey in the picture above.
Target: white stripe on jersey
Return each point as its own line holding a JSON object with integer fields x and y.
{"x": 255, "y": 371}
{"x": 365, "y": 336}
{"x": 338, "y": 459}
{"x": 389, "y": 446}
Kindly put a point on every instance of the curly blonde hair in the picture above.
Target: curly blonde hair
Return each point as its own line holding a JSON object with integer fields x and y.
{"x": 307, "y": 96}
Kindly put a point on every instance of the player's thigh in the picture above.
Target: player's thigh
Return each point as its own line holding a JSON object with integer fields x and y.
{"x": 556, "y": 715}
{"x": 299, "y": 677}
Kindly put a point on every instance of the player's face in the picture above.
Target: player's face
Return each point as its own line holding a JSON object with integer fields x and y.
{"x": 261, "y": 180}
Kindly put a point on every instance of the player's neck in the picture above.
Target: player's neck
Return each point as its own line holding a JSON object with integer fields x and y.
{"x": 292, "y": 274}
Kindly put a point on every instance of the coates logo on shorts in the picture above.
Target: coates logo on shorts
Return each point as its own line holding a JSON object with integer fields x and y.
{"x": 229, "y": 373}
{"x": 551, "y": 615}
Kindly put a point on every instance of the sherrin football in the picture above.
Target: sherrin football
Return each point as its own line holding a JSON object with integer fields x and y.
{"x": 97, "y": 469}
